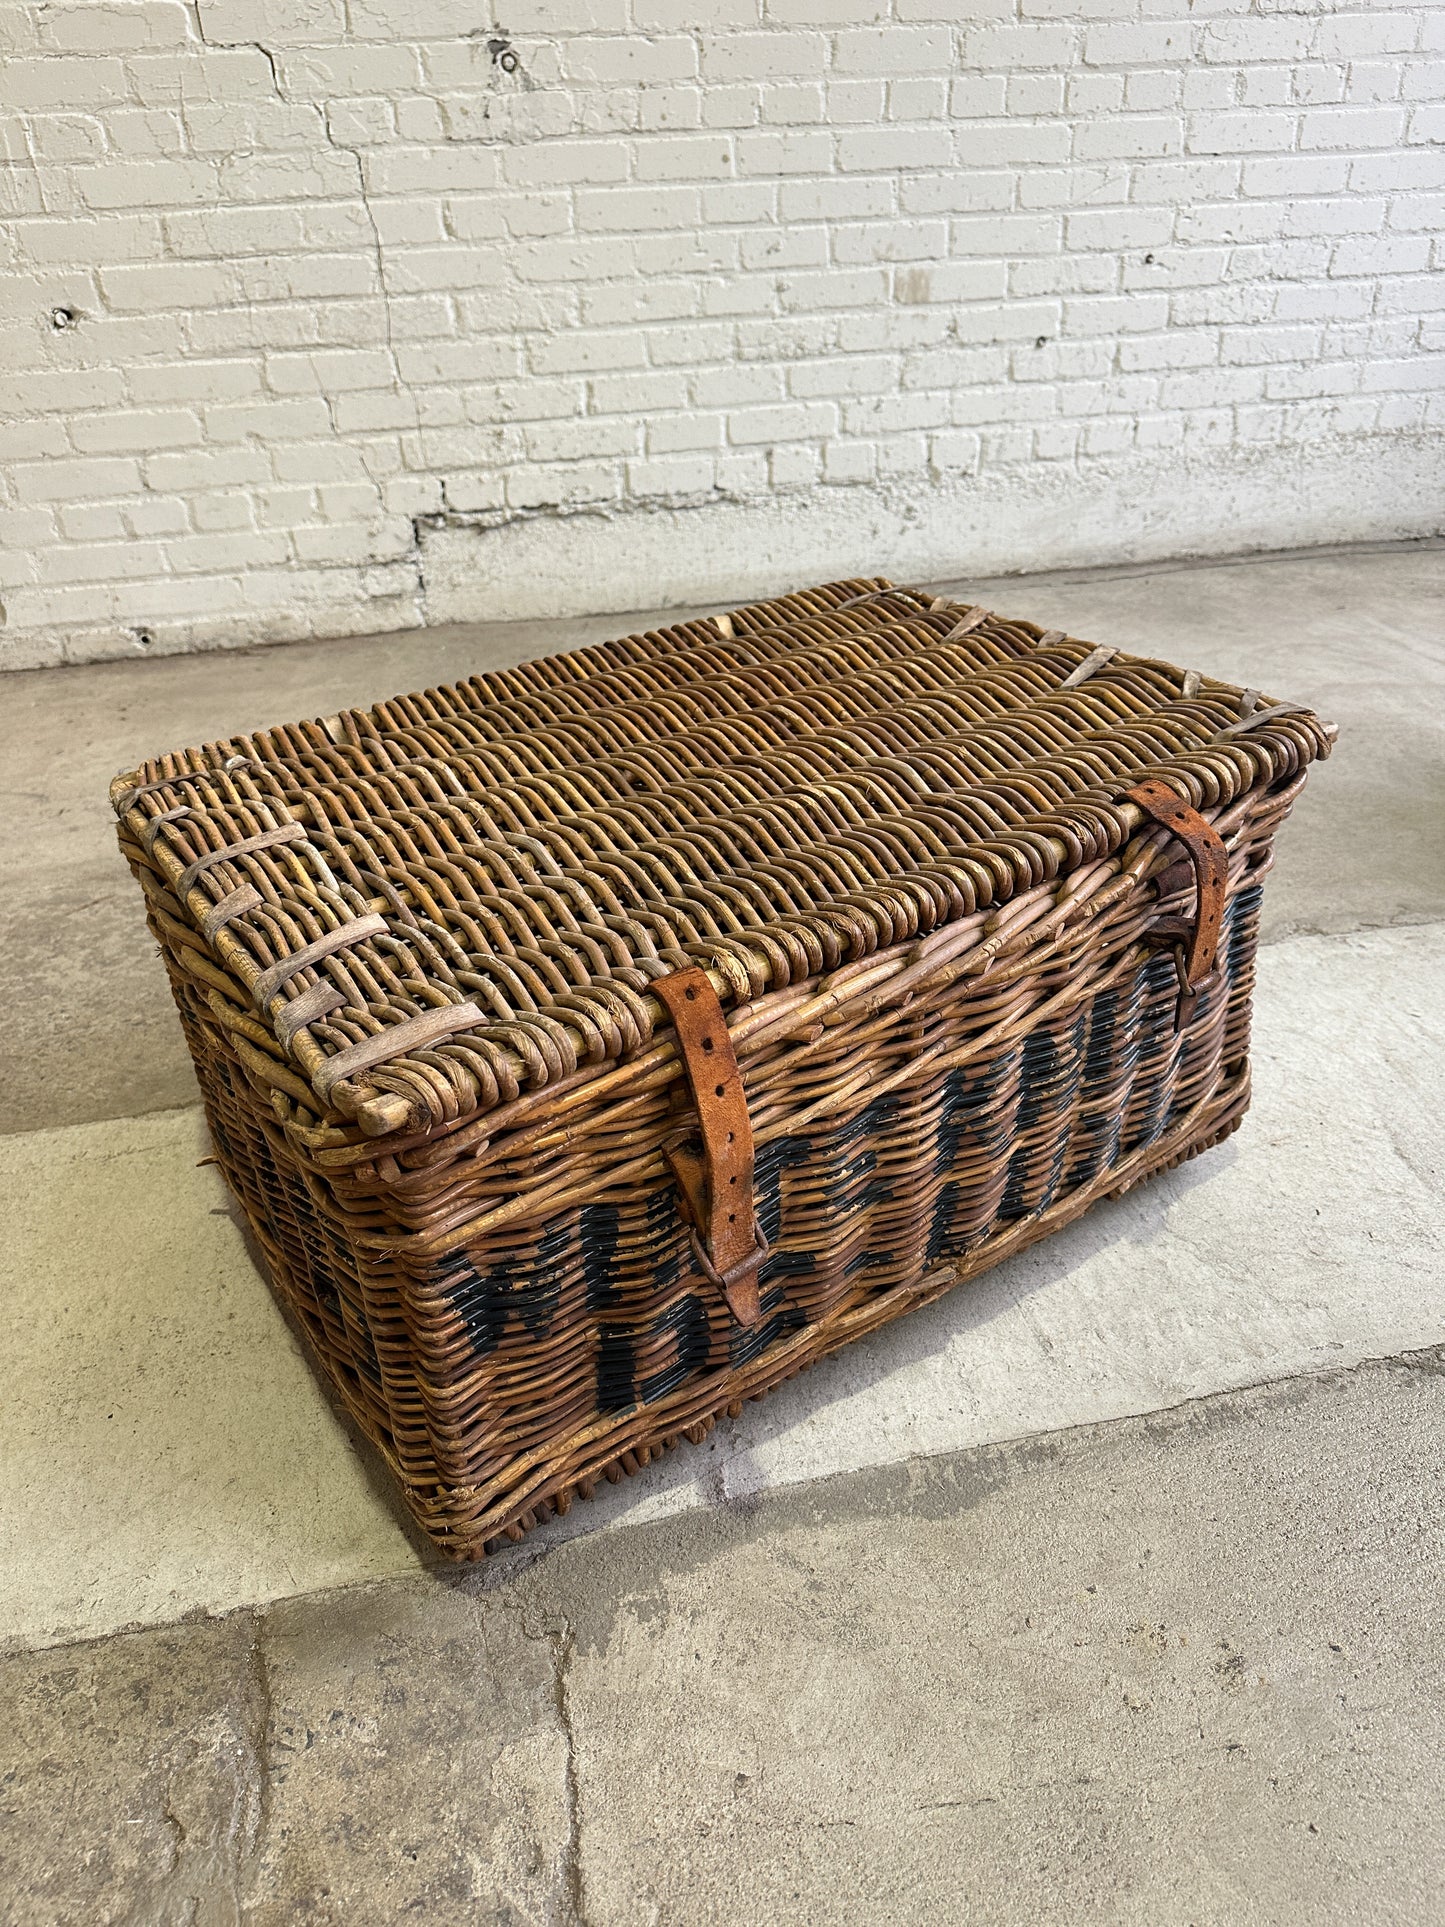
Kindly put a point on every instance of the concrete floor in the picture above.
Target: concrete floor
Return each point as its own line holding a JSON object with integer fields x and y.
{"x": 1026, "y": 1611}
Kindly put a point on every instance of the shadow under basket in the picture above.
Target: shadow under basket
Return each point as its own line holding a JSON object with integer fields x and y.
{"x": 594, "y": 1044}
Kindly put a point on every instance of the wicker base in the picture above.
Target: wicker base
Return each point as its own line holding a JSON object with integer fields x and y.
{"x": 643, "y": 1437}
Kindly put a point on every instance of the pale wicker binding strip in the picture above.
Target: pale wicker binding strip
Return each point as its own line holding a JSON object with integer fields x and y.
{"x": 308, "y": 1008}
{"x": 342, "y": 938}
{"x": 234, "y": 904}
{"x": 248, "y": 846}
{"x": 1089, "y": 666}
{"x": 425, "y": 1032}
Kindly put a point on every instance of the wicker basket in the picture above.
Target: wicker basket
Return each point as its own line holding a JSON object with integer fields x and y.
{"x": 597, "y": 1043}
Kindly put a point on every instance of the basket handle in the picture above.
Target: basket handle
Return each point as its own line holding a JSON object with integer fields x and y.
{"x": 716, "y": 1186}
{"x": 1210, "y": 859}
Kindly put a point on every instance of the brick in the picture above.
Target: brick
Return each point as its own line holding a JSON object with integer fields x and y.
{"x": 790, "y": 421}
{"x": 706, "y": 158}
{"x": 763, "y": 56}
{"x": 616, "y": 303}
{"x": 623, "y": 210}
{"x": 325, "y": 371}
{"x": 276, "y": 22}
{"x": 291, "y": 176}
{"x": 267, "y": 420}
{"x": 1288, "y": 175}
{"x": 789, "y": 104}
{"x": 148, "y": 184}
{"x": 91, "y": 522}
{"x": 1351, "y": 129}
{"x": 1239, "y": 133}
{"x": 622, "y": 59}
{"x": 1372, "y": 81}
{"x": 794, "y": 466}
{"x": 1287, "y": 37}
{"x": 1115, "y": 314}
{"x": 887, "y": 149}
{"x": 1052, "y": 48}
{"x": 1181, "y": 348}
{"x": 913, "y": 100}
{"x": 582, "y": 482}
{"x": 675, "y": 476}
{"x": 78, "y": 480}
{"x": 739, "y": 203}
{"x": 566, "y": 163}
{"x": 220, "y": 231}
{"x": 1066, "y": 274}
{"x": 1129, "y": 137}
{"x": 772, "y": 154}
{"x": 977, "y": 96}
{"x": 897, "y": 240}
{"x": 1027, "y": 144}
{"x": 582, "y": 353}
{"x": 44, "y": 86}
{"x": 893, "y": 50}
{"x": 825, "y": 13}
{"x": 1371, "y": 31}
{"x": 99, "y": 561}
{"x": 159, "y": 285}
{"x": 177, "y": 78}
{"x": 570, "y": 441}
{"x": 1247, "y": 346}
{"x": 676, "y": 434}
{"x": 1006, "y": 234}
{"x": 138, "y": 431}
{"x": 1394, "y": 173}
{"x": 1034, "y": 94}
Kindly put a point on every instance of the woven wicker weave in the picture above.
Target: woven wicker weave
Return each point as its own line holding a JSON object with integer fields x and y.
{"x": 596, "y": 1043}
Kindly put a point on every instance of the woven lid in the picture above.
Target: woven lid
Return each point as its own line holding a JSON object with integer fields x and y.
{"x": 431, "y": 906}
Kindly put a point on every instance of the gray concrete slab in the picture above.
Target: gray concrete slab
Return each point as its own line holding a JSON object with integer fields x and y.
{"x": 1168, "y": 1671}
{"x": 90, "y": 1032}
{"x": 330, "y": 1765}
{"x": 159, "y": 1407}
{"x": 166, "y": 1449}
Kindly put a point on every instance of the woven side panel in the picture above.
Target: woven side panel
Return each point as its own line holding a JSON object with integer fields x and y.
{"x": 513, "y": 1368}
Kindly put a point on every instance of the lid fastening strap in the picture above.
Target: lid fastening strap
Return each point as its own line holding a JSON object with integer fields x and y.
{"x": 717, "y": 1187}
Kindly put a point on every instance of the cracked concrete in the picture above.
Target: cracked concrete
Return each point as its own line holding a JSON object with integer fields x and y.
{"x": 920, "y": 1639}
{"x": 1173, "y": 1670}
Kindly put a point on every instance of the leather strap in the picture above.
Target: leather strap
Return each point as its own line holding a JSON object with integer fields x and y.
{"x": 1210, "y": 861}
{"x": 717, "y": 1186}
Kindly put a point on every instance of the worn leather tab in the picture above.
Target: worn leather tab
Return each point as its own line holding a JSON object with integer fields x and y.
{"x": 1210, "y": 861}
{"x": 718, "y": 1186}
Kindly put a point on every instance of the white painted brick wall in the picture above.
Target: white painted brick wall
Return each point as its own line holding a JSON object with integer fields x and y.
{"x": 326, "y": 315}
